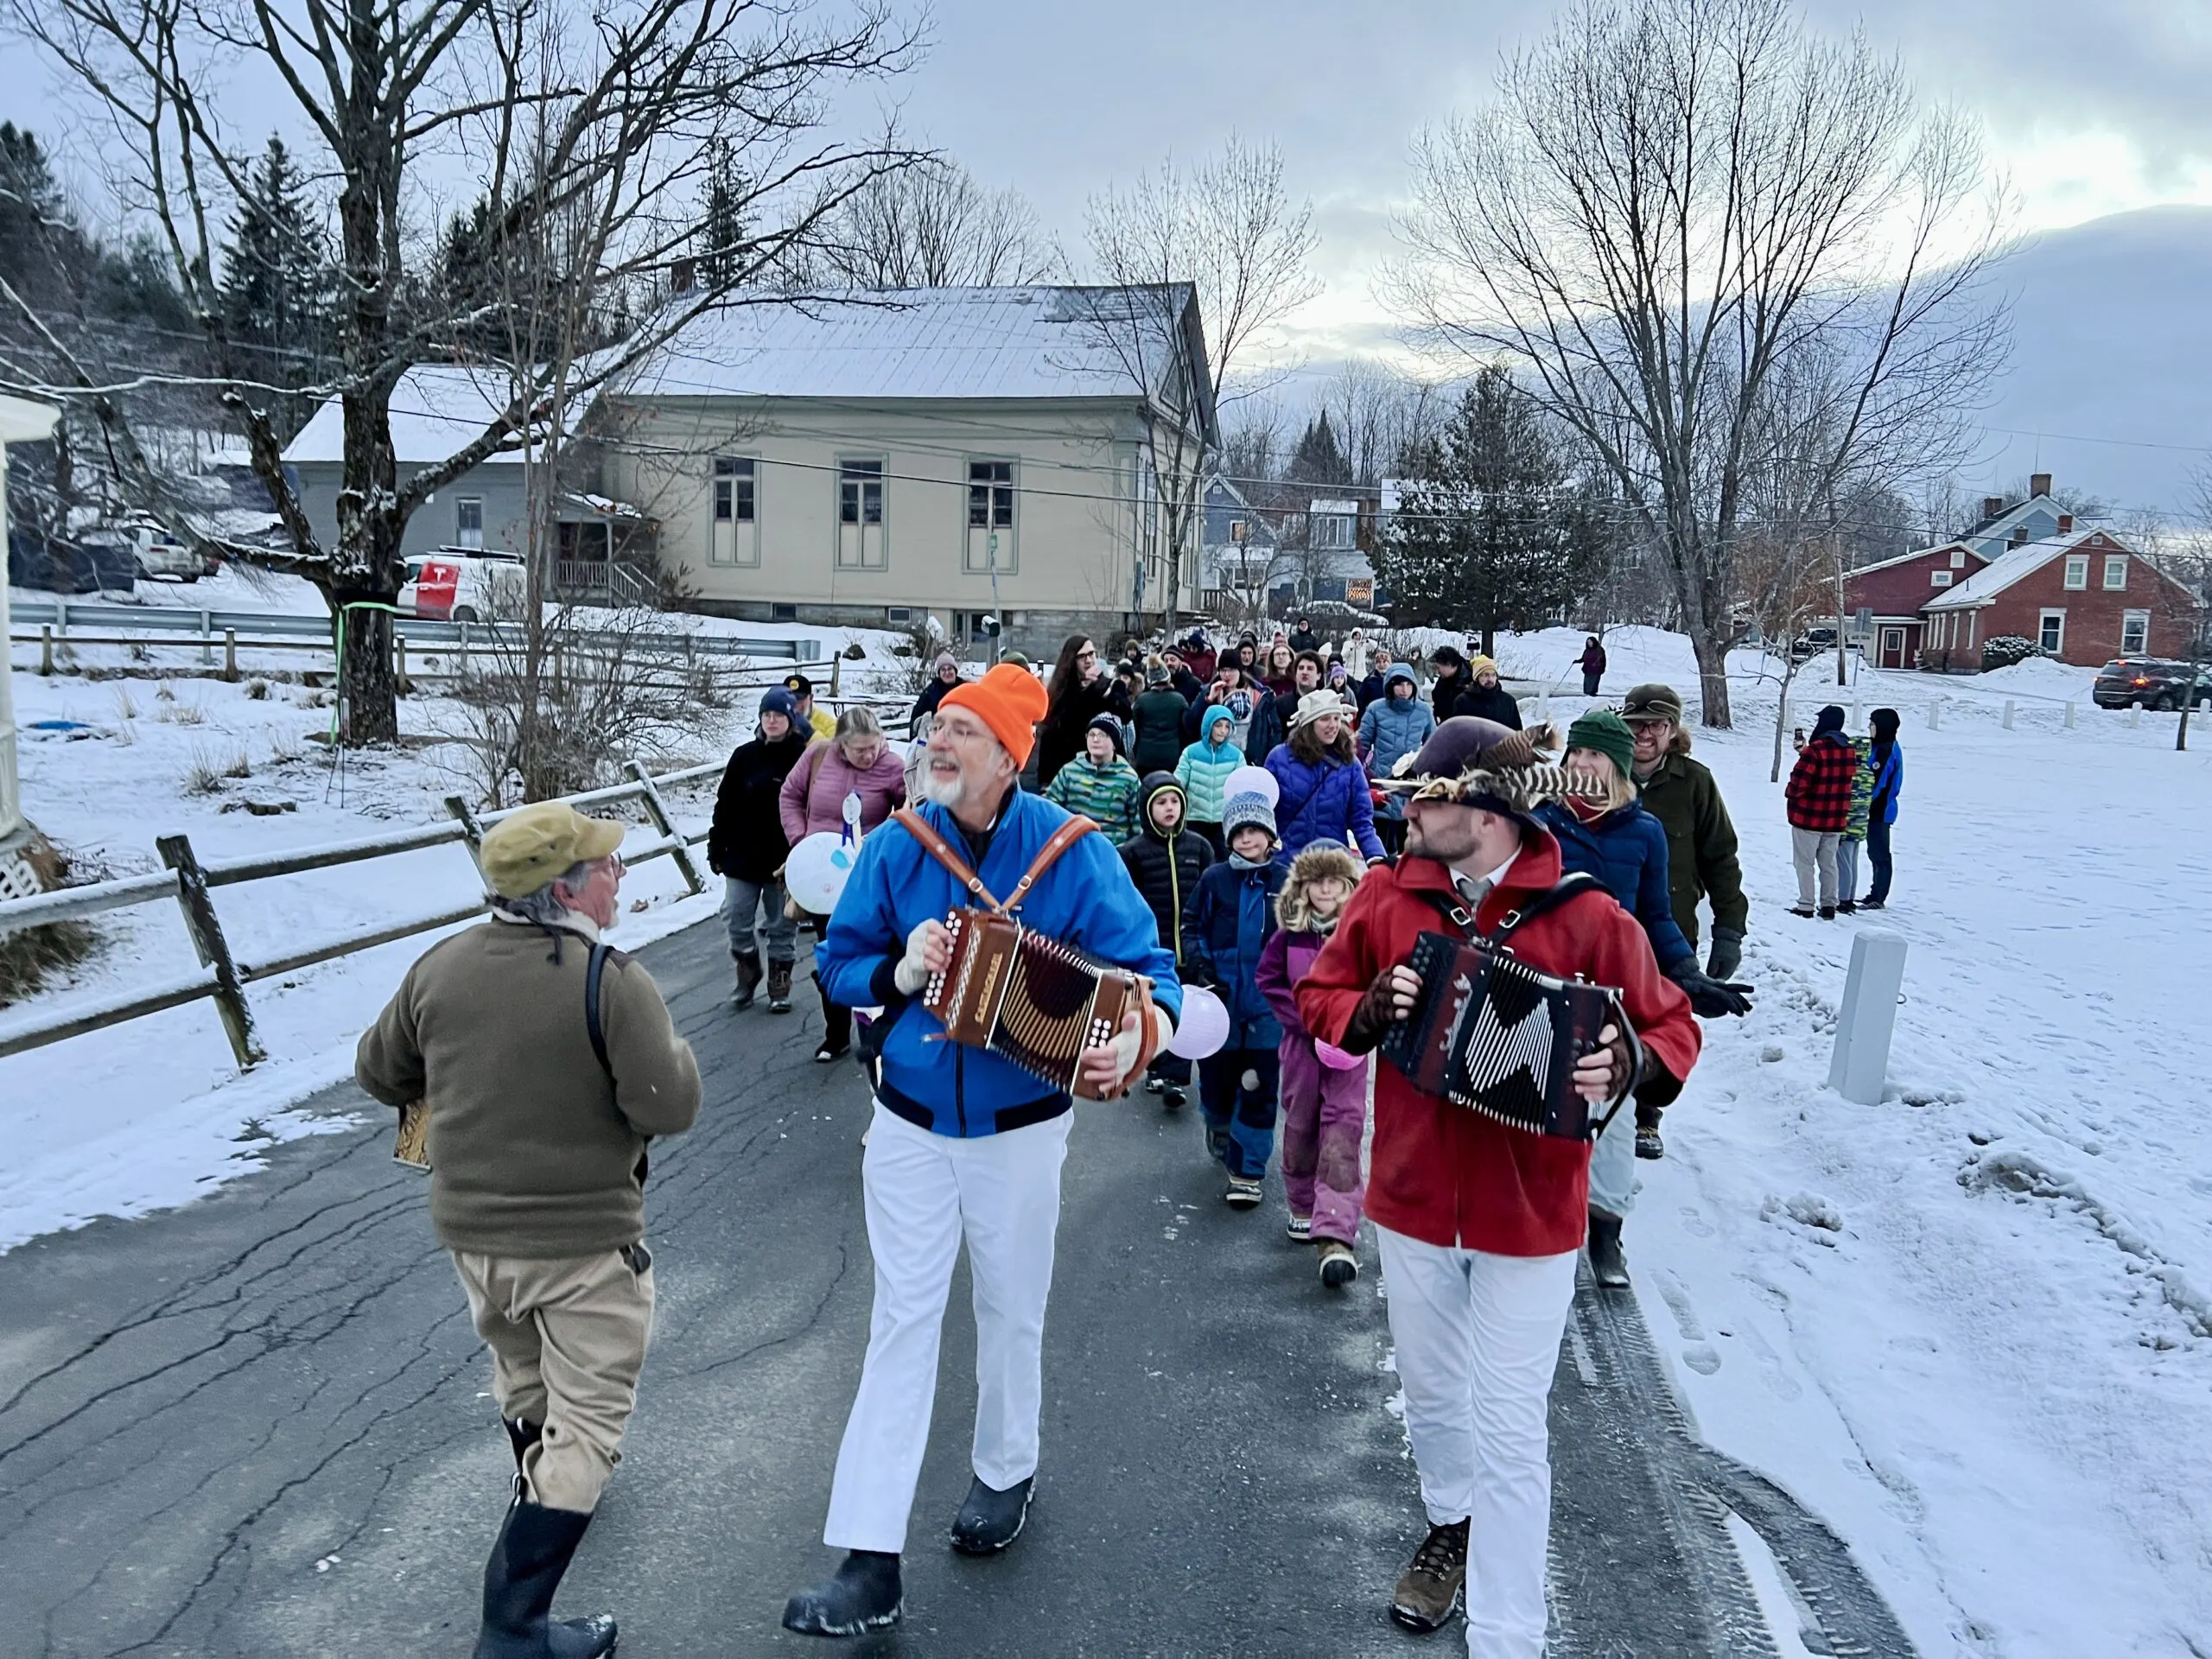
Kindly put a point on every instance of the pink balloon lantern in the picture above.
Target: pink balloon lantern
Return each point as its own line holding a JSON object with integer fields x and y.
{"x": 1336, "y": 1059}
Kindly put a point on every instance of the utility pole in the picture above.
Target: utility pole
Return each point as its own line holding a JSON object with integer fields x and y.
{"x": 1835, "y": 553}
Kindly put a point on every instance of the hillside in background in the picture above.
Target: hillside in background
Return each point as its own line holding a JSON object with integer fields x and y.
{"x": 2112, "y": 340}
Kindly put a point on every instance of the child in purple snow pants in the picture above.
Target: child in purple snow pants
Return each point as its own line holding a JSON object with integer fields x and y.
{"x": 1323, "y": 1106}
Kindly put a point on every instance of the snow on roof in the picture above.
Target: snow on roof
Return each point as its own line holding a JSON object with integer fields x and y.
{"x": 930, "y": 343}
{"x": 1317, "y": 505}
{"x": 2013, "y": 563}
{"x": 1858, "y": 571}
{"x": 437, "y": 409}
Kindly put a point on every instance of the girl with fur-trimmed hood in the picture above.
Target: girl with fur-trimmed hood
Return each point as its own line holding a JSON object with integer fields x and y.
{"x": 1324, "y": 1100}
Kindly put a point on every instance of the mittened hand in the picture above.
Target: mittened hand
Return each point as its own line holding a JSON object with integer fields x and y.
{"x": 928, "y": 950}
{"x": 1726, "y": 955}
{"x": 1393, "y": 997}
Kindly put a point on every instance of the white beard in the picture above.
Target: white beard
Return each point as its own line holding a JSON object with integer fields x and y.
{"x": 943, "y": 792}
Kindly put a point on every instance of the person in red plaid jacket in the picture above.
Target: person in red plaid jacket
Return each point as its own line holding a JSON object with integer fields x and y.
{"x": 1820, "y": 805}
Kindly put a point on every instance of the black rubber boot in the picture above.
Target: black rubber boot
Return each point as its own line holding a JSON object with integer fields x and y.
{"x": 990, "y": 1520}
{"x": 1607, "y": 1265}
{"x": 533, "y": 1551}
{"x": 522, "y": 1436}
{"x": 862, "y": 1595}
{"x": 748, "y": 978}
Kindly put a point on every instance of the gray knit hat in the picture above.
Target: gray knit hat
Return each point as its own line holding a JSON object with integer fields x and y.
{"x": 1249, "y": 794}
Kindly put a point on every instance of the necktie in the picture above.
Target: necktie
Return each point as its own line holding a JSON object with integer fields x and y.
{"x": 1474, "y": 892}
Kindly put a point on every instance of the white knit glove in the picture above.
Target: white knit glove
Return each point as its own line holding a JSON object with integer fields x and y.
{"x": 928, "y": 950}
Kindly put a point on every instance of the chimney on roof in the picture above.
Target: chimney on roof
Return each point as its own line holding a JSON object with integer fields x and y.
{"x": 2038, "y": 483}
{"x": 1992, "y": 505}
{"x": 2066, "y": 524}
{"x": 2019, "y": 535}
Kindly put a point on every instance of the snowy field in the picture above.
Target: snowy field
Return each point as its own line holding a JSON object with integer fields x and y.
{"x": 1972, "y": 1326}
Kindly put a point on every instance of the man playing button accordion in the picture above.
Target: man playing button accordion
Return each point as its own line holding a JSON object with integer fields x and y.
{"x": 966, "y": 1142}
{"x": 1479, "y": 1220}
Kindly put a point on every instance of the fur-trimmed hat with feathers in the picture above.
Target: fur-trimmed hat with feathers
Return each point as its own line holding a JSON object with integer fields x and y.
{"x": 1476, "y": 762}
{"x": 1324, "y": 858}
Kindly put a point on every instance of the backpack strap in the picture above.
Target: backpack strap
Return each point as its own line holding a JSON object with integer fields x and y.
{"x": 594, "y": 970}
{"x": 941, "y": 850}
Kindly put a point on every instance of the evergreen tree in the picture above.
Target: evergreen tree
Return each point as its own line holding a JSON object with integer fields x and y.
{"x": 276, "y": 291}
{"x": 722, "y": 224}
{"x": 1492, "y": 531}
{"x": 1317, "y": 459}
{"x": 42, "y": 253}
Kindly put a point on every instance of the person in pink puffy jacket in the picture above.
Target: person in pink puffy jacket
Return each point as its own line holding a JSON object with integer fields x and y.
{"x": 857, "y": 760}
{"x": 1324, "y": 1100}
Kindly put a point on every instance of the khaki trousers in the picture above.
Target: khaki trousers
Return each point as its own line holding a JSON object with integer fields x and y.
{"x": 568, "y": 1338}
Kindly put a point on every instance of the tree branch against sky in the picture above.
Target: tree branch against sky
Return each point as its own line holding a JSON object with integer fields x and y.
{"x": 618, "y": 126}
{"x": 1672, "y": 202}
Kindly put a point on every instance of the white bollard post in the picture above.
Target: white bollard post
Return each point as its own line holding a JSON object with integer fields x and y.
{"x": 2134, "y": 715}
{"x": 1935, "y": 714}
{"x": 1860, "y": 1068}
{"x": 2069, "y": 716}
{"x": 2008, "y": 713}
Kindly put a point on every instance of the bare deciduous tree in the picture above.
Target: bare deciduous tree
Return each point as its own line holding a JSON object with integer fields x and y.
{"x": 1671, "y": 201}
{"x": 618, "y": 126}
{"x": 931, "y": 226}
{"x": 1228, "y": 230}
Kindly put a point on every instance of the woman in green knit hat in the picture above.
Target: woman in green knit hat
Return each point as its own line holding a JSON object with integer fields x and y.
{"x": 1605, "y": 832}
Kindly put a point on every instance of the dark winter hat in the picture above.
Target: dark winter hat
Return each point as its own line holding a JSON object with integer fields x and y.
{"x": 1652, "y": 701}
{"x": 798, "y": 685}
{"x": 1109, "y": 725}
{"x": 1883, "y": 724}
{"x": 1829, "y": 722}
{"x": 1396, "y": 673}
{"x": 1156, "y": 675}
{"x": 1606, "y": 733}
{"x": 1471, "y": 761}
{"x": 777, "y": 701}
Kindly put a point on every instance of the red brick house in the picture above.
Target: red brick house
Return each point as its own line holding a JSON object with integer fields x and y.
{"x": 2084, "y": 596}
{"x": 1896, "y": 589}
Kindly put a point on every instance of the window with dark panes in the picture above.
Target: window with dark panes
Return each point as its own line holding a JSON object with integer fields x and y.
{"x": 735, "y": 500}
{"x": 990, "y": 495}
{"x": 860, "y": 492}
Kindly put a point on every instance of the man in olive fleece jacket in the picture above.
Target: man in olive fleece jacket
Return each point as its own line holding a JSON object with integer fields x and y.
{"x": 538, "y": 1155}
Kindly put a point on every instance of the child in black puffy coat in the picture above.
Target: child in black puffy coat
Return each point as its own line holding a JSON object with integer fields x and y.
{"x": 1166, "y": 860}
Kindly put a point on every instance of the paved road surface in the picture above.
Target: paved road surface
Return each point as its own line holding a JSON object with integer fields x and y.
{"x": 257, "y": 1425}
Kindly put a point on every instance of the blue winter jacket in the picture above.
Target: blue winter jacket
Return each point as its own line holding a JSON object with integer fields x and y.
{"x": 1225, "y": 923}
{"x": 1391, "y": 729}
{"x": 1321, "y": 803}
{"x": 1888, "y": 784}
{"x": 1627, "y": 851}
{"x": 1086, "y": 899}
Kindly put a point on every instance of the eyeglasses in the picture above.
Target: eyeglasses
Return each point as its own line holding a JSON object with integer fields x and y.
{"x": 1086, "y": 656}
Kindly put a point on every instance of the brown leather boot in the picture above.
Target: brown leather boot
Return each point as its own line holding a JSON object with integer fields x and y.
{"x": 748, "y": 976}
{"x": 779, "y": 988}
{"x": 1430, "y": 1588}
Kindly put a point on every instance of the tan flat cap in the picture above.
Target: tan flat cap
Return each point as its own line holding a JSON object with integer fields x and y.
{"x": 531, "y": 846}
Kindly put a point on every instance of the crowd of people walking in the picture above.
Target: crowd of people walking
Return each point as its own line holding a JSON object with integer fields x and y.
{"x": 1276, "y": 822}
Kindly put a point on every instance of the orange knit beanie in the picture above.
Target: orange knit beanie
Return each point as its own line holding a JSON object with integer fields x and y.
{"x": 1010, "y": 701}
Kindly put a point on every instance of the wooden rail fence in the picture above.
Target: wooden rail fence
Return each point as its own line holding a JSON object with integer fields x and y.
{"x": 223, "y": 976}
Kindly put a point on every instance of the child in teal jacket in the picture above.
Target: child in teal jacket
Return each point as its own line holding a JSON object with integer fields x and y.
{"x": 1099, "y": 785}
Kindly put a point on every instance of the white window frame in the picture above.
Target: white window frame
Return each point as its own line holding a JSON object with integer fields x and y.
{"x": 858, "y": 472}
{"x": 2077, "y": 572}
{"x": 2044, "y": 638}
{"x": 465, "y": 507}
{"x": 1958, "y": 558}
{"x": 1939, "y": 578}
{"x": 2115, "y": 565}
{"x": 1337, "y": 525}
{"x": 734, "y": 483}
{"x": 996, "y": 497}
{"x": 2138, "y": 623}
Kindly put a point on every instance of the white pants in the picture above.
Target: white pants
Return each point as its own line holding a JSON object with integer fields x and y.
{"x": 1612, "y": 1164}
{"x": 1478, "y": 1340}
{"x": 924, "y": 1193}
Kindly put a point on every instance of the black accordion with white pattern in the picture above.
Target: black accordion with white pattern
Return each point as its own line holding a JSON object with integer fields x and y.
{"x": 1498, "y": 1037}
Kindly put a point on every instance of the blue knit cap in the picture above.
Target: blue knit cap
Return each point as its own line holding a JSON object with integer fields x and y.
{"x": 777, "y": 701}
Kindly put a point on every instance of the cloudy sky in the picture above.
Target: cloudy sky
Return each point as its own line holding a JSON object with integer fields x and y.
{"x": 2089, "y": 109}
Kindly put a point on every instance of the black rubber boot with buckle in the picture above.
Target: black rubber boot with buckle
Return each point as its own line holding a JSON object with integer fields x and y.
{"x": 1430, "y": 1588}
{"x": 990, "y": 1520}
{"x": 1608, "y": 1266}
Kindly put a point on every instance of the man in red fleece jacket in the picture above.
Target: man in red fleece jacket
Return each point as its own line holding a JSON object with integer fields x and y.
{"x": 1478, "y": 1224}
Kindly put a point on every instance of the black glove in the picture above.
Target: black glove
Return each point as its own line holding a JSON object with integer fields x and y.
{"x": 1726, "y": 954}
{"x": 1710, "y": 997}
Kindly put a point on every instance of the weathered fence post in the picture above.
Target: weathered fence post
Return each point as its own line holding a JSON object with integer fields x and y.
{"x": 231, "y": 655}
{"x": 1860, "y": 1068}
{"x": 399, "y": 663}
{"x": 836, "y": 674}
{"x": 207, "y": 640}
{"x": 207, "y": 932}
{"x": 657, "y": 810}
{"x": 46, "y": 649}
{"x": 472, "y": 832}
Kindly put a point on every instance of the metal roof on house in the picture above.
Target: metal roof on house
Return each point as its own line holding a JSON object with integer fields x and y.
{"x": 2014, "y": 563}
{"x": 437, "y": 411}
{"x": 938, "y": 343}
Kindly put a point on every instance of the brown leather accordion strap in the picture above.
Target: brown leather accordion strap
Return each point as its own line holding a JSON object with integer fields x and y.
{"x": 1049, "y": 854}
{"x": 940, "y": 849}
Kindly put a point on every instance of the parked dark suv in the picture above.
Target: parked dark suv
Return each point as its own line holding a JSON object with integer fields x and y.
{"x": 2154, "y": 682}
